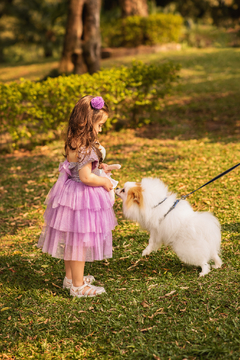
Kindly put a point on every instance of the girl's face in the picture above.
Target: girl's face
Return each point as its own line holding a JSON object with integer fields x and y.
{"x": 99, "y": 124}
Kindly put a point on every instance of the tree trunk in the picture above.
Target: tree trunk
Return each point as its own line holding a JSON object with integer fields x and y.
{"x": 91, "y": 40}
{"x": 81, "y": 50}
{"x": 134, "y": 7}
{"x": 50, "y": 38}
{"x": 48, "y": 50}
{"x": 1, "y": 54}
{"x": 72, "y": 41}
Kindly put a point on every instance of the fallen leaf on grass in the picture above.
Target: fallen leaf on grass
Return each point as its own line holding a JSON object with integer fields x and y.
{"x": 16, "y": 252}
{"x": 90, "y": 334}
{"x": 56, "y": 286}
{"x": 130, "y": 267}
{"x": 156, "y": 357}
{"x": 5, "y": 308}
{"x": 144, "y": 304}
{"x": 169, "y": 294}
{"x": 147, "y": 329}
{"x": 124, "y": 257}
{"x": 157, "y": 313}
{"x": 151, "y": 286}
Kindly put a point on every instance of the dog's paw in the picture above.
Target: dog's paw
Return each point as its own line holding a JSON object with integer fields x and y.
{"x": 205, "y": 270}
{"x": 147, "y": 251}
{"x": 216, "y": 266}
{"x": 218, "y": 262}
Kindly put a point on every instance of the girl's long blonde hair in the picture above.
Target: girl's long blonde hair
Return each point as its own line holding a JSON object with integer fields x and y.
{"x": 81, "y": 132}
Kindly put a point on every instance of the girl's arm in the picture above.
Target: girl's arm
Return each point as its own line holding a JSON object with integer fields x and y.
{"x": 90, "y": 179}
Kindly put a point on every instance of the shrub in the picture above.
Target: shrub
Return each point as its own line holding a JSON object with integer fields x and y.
{"x": 135, "y": 30}
{"x": 29, "y": 109}
{"x": 162, "y": 28}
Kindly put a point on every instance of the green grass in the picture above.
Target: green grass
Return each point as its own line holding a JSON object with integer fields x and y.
{"x": 35, "y": 71}
{"x": 155, "y": 307}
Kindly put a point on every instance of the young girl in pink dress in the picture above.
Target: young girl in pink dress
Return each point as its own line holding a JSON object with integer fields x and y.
{"x": 79, "y": 218}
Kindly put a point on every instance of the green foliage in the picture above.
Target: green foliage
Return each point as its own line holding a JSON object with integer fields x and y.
{"x": 31, "y": 22}
{"x": 224, "y": 13}
{"x": 132, "y": 93}
{"x": 135, "y": 30}
{"x": 162, "y": 28}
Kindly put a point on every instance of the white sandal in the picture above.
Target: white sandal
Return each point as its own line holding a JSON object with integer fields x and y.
{"x": 90, "y": 292}
{"x": 88, "y": 279}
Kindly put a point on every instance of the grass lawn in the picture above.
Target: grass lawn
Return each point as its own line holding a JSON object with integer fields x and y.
{"x": 156, "y": 307}
{"x": 27, "y": 71}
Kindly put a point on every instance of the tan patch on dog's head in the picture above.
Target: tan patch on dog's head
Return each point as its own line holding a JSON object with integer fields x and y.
{"x": 135, "y": 196}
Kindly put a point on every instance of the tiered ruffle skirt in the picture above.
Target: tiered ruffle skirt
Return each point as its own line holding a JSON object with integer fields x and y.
{"x": 79, "y": 220}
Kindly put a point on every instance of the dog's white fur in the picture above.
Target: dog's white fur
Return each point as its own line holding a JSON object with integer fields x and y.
{"x": 194, "y": 236}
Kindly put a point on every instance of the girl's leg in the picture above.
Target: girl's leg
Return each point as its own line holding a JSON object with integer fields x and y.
{"x": 68, "y": 269}
{"x": 77, "y": 269}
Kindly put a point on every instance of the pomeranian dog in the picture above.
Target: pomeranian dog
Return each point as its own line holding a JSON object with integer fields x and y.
{"x": 195, "y": 237}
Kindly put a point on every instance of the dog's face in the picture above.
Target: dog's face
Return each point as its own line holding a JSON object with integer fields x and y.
{"x": 132, "y": 197}
{"x": 140, "y": 200}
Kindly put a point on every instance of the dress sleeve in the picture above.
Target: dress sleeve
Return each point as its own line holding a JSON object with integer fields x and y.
{"x": 91, "y": 157}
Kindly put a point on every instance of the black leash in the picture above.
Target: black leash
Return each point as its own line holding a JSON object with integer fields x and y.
{"x": 183, "y": 197}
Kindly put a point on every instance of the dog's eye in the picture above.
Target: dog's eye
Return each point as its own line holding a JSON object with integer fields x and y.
{"x": 122, "y": 191}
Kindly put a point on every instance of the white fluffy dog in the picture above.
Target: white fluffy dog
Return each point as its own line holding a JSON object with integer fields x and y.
{"x": 194, "y": 236}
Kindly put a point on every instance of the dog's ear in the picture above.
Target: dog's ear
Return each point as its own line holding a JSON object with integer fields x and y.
{"x": 135, "y": 196}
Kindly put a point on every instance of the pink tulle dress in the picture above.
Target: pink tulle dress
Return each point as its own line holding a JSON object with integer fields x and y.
{"x": 79, "y": 219}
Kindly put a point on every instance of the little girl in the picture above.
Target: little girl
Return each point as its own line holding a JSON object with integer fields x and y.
{"x": 79, "y": 218}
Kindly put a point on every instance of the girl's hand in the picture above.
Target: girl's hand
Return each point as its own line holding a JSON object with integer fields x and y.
{"x": 108, "y": 168}
{"x": 103, "y": 166}
{"x": 114, "y": 167}
{"x": 107, "y": 185}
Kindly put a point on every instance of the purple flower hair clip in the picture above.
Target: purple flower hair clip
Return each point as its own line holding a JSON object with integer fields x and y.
{"x": 97, "y": 103}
